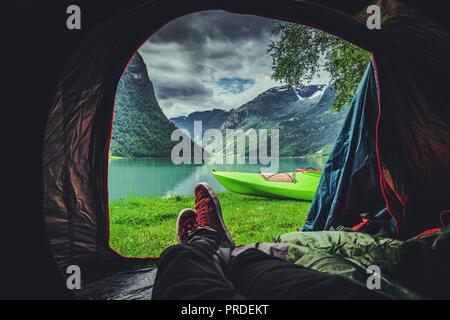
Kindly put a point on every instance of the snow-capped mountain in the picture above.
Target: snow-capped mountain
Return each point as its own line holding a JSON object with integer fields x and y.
{"x": 273, "y": 105}
{"x": 302, "y": 115}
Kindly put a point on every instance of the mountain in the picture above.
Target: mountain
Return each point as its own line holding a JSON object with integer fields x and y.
{"x": 312, "y": 131}
{"x": 303, "y": 116}
{"x": 211, "y": 119}
{"x": 273, "y": 106}
{"x": 140, "y": 127}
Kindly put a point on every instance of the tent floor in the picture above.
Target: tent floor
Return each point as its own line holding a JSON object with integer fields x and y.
{"x": 134, "y": 283}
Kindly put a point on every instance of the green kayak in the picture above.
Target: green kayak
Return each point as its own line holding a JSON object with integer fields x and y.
{"x": 297, "y": 185}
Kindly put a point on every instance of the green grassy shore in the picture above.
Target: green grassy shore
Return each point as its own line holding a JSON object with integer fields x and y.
{"x": 146, "y": 226}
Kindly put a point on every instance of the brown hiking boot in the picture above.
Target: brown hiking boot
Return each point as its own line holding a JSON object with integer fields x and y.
{"x": 208, "y": 212}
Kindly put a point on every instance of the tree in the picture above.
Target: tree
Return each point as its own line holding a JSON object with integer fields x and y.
{"x": 300, "y": 53}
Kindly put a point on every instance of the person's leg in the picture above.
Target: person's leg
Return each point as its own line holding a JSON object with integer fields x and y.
{"x": 196, "y": 268}
{"x": 259, "y": 276}
{"x": 194, "y": 271}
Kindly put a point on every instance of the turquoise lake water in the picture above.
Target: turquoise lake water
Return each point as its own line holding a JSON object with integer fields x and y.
{"x": 160, "y": 177}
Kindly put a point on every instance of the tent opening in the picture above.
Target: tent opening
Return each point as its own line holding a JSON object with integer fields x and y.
{"x": 400, "y": 112}
{"x": 215, "y": 85}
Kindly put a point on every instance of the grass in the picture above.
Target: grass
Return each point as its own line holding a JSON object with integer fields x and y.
{"x": 146, "y": 226}
{"x": 111, "y": 157}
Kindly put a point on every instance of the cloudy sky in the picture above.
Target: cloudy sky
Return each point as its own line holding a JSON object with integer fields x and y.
{"x": 210, "y": 59}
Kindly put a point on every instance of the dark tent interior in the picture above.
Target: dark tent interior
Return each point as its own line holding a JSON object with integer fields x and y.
{"x": 65, "y": 219}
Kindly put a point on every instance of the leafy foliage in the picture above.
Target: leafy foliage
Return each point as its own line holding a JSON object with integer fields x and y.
{"x": 301, "y": 52}
{"x": 140, "y": 127}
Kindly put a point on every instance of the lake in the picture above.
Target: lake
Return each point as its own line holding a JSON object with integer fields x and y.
{"x": 147, "y": 177}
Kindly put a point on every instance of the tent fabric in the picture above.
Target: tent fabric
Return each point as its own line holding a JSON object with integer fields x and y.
{"x": 414, "y": 139}
{"x": 412, "y": 58}
{"x": 130, "y": 284}
{"x": 350, "y": 182}
{"x": 411, "y": 136}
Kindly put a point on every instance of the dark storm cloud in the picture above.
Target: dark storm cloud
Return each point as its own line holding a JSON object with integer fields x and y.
{"x": 197, "y": 28}
{"x": 184, "y": 91}
{"x": 187, "y": 58}
{"x": 210, "y": 59}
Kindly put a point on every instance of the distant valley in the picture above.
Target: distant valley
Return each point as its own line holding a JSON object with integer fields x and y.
{"x": 306, "y": 123}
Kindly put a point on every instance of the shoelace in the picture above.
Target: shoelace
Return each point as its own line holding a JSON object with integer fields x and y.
{"x": 190, "y": 224}
{"x": 201, "y": 212}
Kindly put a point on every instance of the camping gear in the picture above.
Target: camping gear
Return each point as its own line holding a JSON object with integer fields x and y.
{"x": 350, "y": 184}
{"x": 61, "y": 152}
{"x": 300, "y": 185}
{"x": 251, "y": 275}
{"x": 279, "y": 177}
{"x": 411, "y": 269}
{"x": 356, "y": 181}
